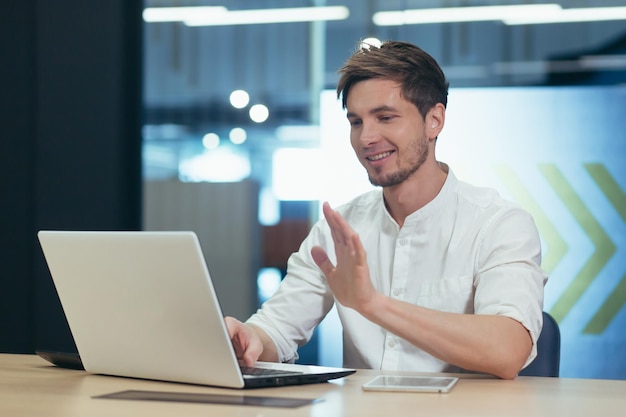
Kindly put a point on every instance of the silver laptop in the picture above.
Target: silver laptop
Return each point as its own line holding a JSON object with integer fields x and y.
{"x": 142, "y": 305}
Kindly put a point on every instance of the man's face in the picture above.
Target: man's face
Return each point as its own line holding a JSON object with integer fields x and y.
{"x": 386, "y": 131}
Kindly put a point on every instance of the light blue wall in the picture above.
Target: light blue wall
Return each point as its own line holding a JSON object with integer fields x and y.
{"x": 559, "y": 152}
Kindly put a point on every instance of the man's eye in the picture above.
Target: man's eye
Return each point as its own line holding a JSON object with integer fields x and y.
{"x": 355, "y": 122}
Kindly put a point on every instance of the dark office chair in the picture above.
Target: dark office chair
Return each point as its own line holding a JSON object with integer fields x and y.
{"x": 548, "y": 350}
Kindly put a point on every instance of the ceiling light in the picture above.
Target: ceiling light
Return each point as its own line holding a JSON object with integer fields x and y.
{"x": 461, "y": 14}
{"x": 260, "y": 16}
{"x": 239, "y": 99}
{"x": 587, "y": 14}
{"x": 179, "y": 14}
{"x": 259, "y": 113}
{"x": 237, "y": 135}
{"x": 211, "y": 141}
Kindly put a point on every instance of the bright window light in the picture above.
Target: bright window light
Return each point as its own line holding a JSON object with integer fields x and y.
{"x": 340, "y": 176}
{"x": 259, "y": 113}
{"x": 298, "y": 133}
{"x": 239, "y": 99}
{"x": 268, "y": 282}
{"x": 295, "y": 174}
{"x": 269, "y": 207}
{"x": 260, "y": 16}
{"x": 218, "y": 165}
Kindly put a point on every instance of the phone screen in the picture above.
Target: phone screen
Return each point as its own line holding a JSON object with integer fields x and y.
{"x": 410, "y": 383}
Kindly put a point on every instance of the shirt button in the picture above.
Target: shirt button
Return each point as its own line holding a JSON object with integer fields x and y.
{"x": 397, "y": 292}
{"x": 391, "y": 343}
{"x": 402, "y": 242}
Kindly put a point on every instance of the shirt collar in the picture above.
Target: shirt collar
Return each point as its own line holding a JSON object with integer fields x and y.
{"x": 436, "y": 205}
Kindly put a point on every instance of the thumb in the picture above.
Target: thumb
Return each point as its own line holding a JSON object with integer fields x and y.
{"x": 232, "y": 325}
{"x": 321, "y": 259}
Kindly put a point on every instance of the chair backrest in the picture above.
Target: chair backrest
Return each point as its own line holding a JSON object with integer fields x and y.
{"x": 548, "y": 350}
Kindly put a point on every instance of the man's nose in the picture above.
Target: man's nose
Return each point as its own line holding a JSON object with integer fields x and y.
{"x": 369, "y": 134}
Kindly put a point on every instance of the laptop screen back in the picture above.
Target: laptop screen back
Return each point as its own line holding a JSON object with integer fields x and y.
{"x": 141, "y": 304}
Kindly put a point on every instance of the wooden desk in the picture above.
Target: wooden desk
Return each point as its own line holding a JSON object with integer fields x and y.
{"x": 29, "y": 386}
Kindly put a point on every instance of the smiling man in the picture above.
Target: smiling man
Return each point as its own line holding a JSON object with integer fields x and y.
{"x": 428, "y": 273}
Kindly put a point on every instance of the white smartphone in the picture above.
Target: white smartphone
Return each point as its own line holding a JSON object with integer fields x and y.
{"x": 411, "y": 383}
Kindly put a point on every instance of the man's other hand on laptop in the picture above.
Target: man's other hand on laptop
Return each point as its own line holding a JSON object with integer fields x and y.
{"x": 251, "y": 344}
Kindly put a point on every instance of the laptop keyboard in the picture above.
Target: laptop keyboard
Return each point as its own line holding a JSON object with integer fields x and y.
{"x": 250, "y": 370}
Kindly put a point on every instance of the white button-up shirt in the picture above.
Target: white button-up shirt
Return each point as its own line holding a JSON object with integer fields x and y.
{"x": 467, "y": 251}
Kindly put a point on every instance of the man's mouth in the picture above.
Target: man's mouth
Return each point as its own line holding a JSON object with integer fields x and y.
{"x": 379, "y": 156}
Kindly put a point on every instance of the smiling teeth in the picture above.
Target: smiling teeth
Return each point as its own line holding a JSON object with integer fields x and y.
{"x": 379, "y": 156}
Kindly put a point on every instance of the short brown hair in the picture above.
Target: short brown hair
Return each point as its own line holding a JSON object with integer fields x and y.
{"x": 422, "y": 81}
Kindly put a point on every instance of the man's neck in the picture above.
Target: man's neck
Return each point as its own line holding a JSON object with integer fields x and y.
{"x": 420, "y": 189}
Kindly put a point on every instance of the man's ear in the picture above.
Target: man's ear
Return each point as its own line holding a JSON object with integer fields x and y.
{"x": 435, "y": 119}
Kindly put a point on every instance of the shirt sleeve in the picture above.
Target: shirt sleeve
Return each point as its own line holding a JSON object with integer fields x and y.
{"x": 303, "y": 299}
{"x": 509, "y": 280}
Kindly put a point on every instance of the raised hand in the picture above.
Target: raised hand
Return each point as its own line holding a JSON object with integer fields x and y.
{"x": 349, "y": 279}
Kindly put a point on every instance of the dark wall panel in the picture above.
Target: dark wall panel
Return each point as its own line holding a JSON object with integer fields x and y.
{"x": 16, "y": 173}
{"x": 71, "y": 152}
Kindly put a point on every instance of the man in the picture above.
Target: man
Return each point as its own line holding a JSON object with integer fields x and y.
{"x": 428, "y": 273}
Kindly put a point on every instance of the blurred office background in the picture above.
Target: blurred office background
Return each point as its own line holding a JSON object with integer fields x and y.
{"x": 218, "y": 117}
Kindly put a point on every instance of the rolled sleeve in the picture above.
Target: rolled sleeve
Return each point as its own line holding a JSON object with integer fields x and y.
{"x": 303, "y": 299}
{"x": 509, "y": 280}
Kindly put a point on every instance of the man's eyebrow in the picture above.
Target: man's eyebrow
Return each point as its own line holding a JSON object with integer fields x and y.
{"x": 375, "y": 110}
